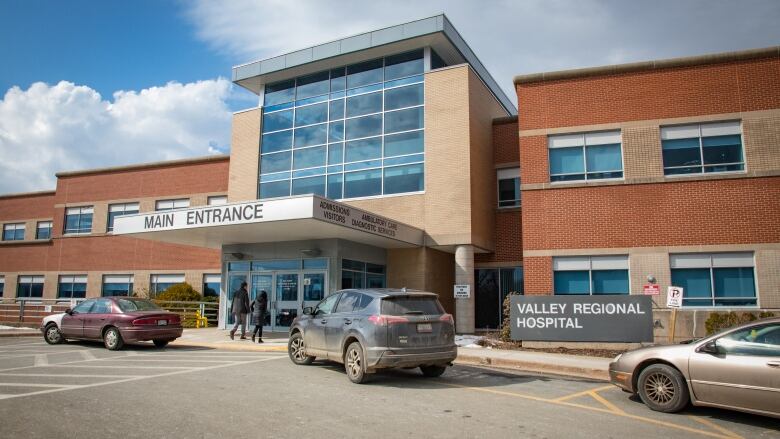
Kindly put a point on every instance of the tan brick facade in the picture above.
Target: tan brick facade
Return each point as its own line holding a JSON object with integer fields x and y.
{"x": 245, "y": 155}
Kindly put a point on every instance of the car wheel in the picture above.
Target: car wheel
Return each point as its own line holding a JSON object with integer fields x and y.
{"x": 52, "y": 334}
{"x": 161, "y": 343}
{"x": 112, "y": 338}
{"x": 353, "y": 363}
{"x": 433, "y": 371}
{"x": 297, "y": 350}
{"x": 663, "y": 388}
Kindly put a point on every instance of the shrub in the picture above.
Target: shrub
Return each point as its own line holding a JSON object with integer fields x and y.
{"x": 719, "y": 321}
{"x": 506, "y": 326}
{"x": 182, "y": 292}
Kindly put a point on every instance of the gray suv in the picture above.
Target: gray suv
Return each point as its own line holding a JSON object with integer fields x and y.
{"x": 373, "y": 329}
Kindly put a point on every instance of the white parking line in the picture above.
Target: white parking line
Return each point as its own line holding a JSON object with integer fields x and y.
{"x": 34, "y": 385}
{"x": 114, "y": 366}
{"x": 178, "y": 372}
{"x": 41, "y": 360}
{"x": 67, "y": 375}
{"x": 87, "y": 355}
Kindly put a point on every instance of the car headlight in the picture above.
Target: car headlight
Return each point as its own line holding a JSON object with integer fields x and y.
{"x": 616, "y": 359}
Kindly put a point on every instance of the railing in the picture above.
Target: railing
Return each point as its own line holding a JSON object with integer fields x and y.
{"x": 30, "y": 311}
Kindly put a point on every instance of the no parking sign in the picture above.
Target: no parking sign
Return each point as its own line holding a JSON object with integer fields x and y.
{"x": 674, "y": 296}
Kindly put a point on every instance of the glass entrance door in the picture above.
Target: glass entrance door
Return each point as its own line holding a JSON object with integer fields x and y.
{"x": 313, "y": 288}
{"x": 286, "y": 301}
{"x": 263, "y": 282}
{"x": 234, "y": 283}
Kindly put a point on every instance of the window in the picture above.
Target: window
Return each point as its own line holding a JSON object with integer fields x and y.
{"x": 78, "y": 220}
{"x": 358, "y": 134}
{"x": 762, "y": 340}
{"x": 590, "y": 275}
{"x": 508, "y": 187}
{"x": 588, "y": 156}
{"x": 102, "y": 306}
{"x": 84, "y": 307}
{"x": 161, "y": 282}
{"x": 2, "y": 285}
{"x": 115, "y": 210}
{"x": 348, "y": 302}
{"x": 13, "y": 232}
{"x": 211, "y": 284}
{"x": 717, "y": 279}
{"x": 356, "y": 274}
{"x": 43, "y": 230}
{"x": 217, "y": 200}
{"x": 117, "y": 285}
{"x": 72, "y": 287}
{"x": 704, "y": 148}
{"x": 29, "y": 286}
{"x": 180, "y": 203}
{"x": 326, "y": 306}
{"x": 492, "y": 287}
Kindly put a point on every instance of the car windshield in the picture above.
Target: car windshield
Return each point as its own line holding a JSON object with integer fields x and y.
{"x": 398, "y": 306}
{"x": 130, "y": 305}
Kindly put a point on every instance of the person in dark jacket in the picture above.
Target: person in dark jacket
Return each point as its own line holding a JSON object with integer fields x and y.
{"x": 240, "y": 308}
{"x": 259, "y": 308}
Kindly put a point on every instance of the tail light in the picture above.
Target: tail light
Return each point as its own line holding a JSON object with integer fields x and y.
{"x": 447, "y": 318}
{"x": 383, "y": 320}
{"x": 145, "y": 321}
{"x": 153, "y": 321}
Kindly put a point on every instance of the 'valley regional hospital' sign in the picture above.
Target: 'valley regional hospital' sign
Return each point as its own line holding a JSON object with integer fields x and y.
{"x": 582, "y": 318}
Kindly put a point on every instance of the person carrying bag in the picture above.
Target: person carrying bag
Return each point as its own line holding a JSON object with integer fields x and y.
{"x": 259, "y": 308}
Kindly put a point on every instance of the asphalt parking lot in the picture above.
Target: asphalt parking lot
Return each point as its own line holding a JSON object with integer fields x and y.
{"x": 82, "y": 390}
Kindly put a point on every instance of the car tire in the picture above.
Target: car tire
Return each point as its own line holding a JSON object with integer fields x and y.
{"x": 354, "y": 363}
{"x": 663, "y": 388}
{"x": 161, "y": 343}
{"x": 52, "y": 334}
{"x": 296, "y": 349}
{"x": 112, "y": 339}
{"x": 433, "y": 371}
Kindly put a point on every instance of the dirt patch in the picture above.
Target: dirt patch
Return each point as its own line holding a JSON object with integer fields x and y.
{"x": 517, "y": 346}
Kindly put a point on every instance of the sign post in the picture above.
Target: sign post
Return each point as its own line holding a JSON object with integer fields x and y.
{"x": 674, "y": 297}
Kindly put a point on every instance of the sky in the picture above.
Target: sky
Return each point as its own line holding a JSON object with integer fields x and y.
{"x": 87, "y": 84}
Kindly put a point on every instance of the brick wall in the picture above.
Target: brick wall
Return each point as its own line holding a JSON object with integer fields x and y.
{"x": 742, "y": 210}
{"x": 14, "y": 208}
{"x": 729, "y": 87}
{"x": 509, "y": 245}
{"x": 537, "y": 275}
{"x": 505, "y": 141}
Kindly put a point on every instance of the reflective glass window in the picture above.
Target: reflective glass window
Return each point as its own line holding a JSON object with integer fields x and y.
{"x": 400, "y": 179}
{"x": 311, "y": 114}
{"x": 275, "y": 189}
{"x": 311, "y": 135}
{"x": 336, "y": 131}
{"x": 335, "y": 184}
{"x": 278, "y": 141}
{"x": 309, "y": 157}
{"x": 337, "y": 109}
{"x": 335, "y": 153}
{"x": 364, "y": 73}
{"x": 279, "y": 93}
{"x": 404, "y": 143}
{"x": 363, "y": 183}
{"x": 337, "y": 79}
{"x": 364, "y": 149}
{"x": 404, "y": 120}
{"x": 364, "y": 104}
{"x": 270, "y": 163}
{"x": 364, "y": 126}
{"x": 312, "y": 85}
{"x": 309, "y": 185}
{"x": 702, "y": 148}
{"x": 404, "y": 97}
{"x": 405, "y": 64}
{"x": 280, "y": 120}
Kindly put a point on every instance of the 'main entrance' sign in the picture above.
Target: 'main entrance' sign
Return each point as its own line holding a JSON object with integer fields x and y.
{"x": 582, "y": 318}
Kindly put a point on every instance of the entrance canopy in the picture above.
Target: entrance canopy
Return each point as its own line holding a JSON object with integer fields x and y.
{"x": 286, "y": 219}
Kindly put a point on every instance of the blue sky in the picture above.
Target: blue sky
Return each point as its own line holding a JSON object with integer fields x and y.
{"x": 88, "y": 84}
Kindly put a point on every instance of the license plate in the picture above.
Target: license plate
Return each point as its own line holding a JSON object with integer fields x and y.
{"x": 424, "y": 327}
{"x": 162, "y": 323}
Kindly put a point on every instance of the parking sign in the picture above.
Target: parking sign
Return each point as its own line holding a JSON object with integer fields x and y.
{"x": 674, "y": 296}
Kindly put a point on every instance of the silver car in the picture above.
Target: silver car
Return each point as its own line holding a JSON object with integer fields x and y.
{"x": 737, "y": 369}
{"x": 372, "y": 329}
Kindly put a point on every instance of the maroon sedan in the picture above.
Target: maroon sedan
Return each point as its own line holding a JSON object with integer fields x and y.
{"x": 115, "y": 321}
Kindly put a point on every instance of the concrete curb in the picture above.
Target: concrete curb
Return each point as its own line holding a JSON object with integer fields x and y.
{"x": 532, "y": 366}
{"x": 237, "y": 347}
{"x": 20, "y": 334}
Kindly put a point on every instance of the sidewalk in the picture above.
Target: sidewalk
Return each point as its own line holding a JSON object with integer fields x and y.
{"x": 17, "y": 331}
{"x": 540, "y": 362}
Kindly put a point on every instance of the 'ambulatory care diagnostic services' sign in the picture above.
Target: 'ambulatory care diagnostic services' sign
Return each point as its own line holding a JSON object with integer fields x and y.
{"x": 582, "y": 318}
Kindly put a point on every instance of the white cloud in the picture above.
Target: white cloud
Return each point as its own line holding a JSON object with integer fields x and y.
{"x": 51, "y": 128}
{"x": 509, "y": 36}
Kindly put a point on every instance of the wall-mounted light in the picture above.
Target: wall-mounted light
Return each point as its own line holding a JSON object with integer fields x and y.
{"x": 650, "y": 278}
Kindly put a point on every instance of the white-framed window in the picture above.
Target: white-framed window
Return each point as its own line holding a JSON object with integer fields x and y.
{"x": 43, "y": 230}
{"x": 211, "y": 284}
{"x": 161, "y": 282}
{"x": 179, "y": 203}
{"x": 115, "y": 210}
{"x": 217, "y": 200}
{"x": 508, "y": 187}
{"x": 30, "y": 286}
{"x": 72, "y": 287}
{"x": 593, "y": 275}
{"x": 78, "y": 220}
{"x": 715, "y": 279}
{"x": 585, "y": 156}
{"x": 702, "y": 148}
{"x": 13, "y": 232}
{"x": 117, "y": 285}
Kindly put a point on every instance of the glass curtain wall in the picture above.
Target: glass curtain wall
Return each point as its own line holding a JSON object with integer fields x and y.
{"x": 350, "y": 132}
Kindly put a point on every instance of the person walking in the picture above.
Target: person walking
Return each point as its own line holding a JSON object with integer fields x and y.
{"x": 259, "y": 308}
{"x": 240, "y": 307}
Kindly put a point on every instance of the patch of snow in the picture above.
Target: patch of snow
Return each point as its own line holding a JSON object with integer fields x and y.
{"x": 468, "y": 341}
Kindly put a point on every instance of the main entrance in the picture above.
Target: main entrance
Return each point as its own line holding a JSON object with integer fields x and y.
{"x": 289, "y": 289}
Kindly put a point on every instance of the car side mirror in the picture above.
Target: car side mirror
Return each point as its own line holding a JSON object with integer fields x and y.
{"x": 711, "y": 347}
{"x": 69, "y": 312}
{"x": 309, "y": 310}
